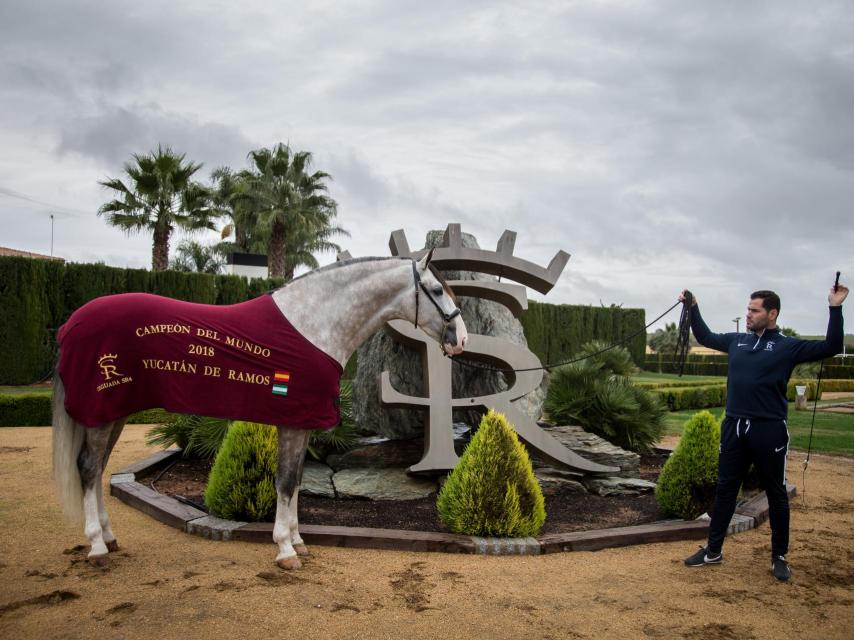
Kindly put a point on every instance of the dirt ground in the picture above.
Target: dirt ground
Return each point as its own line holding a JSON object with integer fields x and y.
{"x": 167, "y": 584}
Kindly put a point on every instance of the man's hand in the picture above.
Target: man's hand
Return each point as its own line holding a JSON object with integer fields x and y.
{"x": 835, "y": 298}
{"x": 694, "y": 299}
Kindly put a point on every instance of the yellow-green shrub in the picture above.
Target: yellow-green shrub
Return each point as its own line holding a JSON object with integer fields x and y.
{"x": 686, "y": 486}
{"x": 492, "y": 491}
{"x": 242, "y": 482}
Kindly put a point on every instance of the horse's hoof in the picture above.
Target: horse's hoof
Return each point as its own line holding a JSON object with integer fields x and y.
{"x": 302, "y": 550}
{"x": 99, "y": 561}
{"x": 289, "y": 563}
{"x": 112, "y": 546}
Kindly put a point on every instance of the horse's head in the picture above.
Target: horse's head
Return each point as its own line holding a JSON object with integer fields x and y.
{"x": 436, "y": 311}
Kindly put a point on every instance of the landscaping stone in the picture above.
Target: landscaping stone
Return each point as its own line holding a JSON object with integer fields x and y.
{"x": 378, "y": 452}
{"x": 618, "y": 486}
{"x": 381, "y": 484}
{"x": 382, "y": 353}
{"x": 553, "y": 482}
{"x": 317, "y": 480}
{"x": 593, "y": 448}
{"x": 738, "y": 524}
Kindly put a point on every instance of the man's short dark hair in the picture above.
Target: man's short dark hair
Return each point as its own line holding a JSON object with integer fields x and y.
{"x": 770, "y": 300}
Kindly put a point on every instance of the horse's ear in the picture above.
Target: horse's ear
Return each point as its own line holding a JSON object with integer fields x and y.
{"x": 422, "y": 265}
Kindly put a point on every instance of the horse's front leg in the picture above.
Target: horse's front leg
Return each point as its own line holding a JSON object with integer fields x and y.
{"x": 292, "y": 445}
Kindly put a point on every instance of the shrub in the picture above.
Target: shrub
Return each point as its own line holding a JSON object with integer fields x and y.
{"x": 694, "y": 397}
{"x": 591, "y": 395}
{"x": 686, "y": 486}
{"x": 25, "y": 409}
{"x": 242, "y": 482}
{"x": 492, "y": 491}
{"x": 197, "y": 436}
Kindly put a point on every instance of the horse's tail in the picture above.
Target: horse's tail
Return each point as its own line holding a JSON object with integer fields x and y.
{"x": 68, "y": 437}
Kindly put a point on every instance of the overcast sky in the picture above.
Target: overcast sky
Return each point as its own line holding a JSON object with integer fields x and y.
{"x": 707, "y": 145}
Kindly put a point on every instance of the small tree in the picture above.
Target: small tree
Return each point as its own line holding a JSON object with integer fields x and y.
{"x": 686, "y": 486}
{"x": 242, "y": 482}
{"x": 493, "y": 491}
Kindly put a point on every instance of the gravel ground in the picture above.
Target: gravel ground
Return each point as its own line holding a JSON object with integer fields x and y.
{"x": 166, "y": 584}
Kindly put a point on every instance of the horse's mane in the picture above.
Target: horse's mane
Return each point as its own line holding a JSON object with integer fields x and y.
{"x": 344, "y": 263}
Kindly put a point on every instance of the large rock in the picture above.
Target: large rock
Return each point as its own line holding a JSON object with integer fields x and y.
{"x": 381, "y": 484}
{"x": 317, "y": 480}
{"x": 616, "y": 486}
{"x": 381, "y": 353}
{"x": 593, "y": 448}
{"x": 379, "y": 453}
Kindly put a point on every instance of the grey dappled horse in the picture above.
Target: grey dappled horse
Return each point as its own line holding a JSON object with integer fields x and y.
{"x": 336, "y": 308}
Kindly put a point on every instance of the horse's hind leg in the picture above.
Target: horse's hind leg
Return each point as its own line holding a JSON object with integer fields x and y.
{"x": 91, "y": 463}
{"x": 293, "y": 520}
{"x": 292, "y": 445}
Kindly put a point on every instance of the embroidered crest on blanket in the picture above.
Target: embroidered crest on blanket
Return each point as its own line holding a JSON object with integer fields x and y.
{"x": 124, "y": 353}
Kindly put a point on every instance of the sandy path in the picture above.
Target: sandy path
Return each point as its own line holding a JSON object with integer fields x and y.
{"x": 166, "y": 584}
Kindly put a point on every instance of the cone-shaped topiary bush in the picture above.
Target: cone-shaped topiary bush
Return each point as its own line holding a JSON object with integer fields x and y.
{"x": 686, "y": 486}
{"x": 492, "y": 491}
{"x": 242, "y": 482}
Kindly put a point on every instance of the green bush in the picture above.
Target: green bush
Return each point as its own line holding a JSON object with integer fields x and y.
{"x": 493, "y": 491}
{"x": 686, "y": 486}
{"x": 811, "y": 386}
{"x": 696, "y": 397}
{"x": 197, "y": 436}
{"x": 589, "y": 394}
{"x": 242, "y": 482}
{"x": 25, "y": 409}
{"x": 837, "y": 385}
{"x": 31, "y": 310}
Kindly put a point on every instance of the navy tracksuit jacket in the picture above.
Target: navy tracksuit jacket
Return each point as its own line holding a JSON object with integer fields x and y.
{"x": 754, "y": 429}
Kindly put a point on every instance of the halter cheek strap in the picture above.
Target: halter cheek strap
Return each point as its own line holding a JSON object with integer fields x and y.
{"x": 419, "y": 286}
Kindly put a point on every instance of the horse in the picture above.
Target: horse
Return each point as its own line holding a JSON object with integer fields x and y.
{"x": 335, "y": 308}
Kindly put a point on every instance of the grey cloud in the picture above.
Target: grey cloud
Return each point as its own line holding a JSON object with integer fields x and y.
{"x": 114, "y": 134}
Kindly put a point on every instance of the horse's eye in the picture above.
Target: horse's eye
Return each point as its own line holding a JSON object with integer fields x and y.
{"x": 438, "y": 290}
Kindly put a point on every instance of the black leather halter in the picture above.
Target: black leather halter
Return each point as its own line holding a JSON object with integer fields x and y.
{"x": 419, "y": 286}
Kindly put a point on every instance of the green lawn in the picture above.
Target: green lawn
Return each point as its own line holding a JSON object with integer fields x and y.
{"x": 834, "y": 432}
{"x": 28, "y": 388}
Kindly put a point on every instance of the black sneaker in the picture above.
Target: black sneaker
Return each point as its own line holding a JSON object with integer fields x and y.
{"x": 780, "y": 568}
{"x": 703, "y": 557}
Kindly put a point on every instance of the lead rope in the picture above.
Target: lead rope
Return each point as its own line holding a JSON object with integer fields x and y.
{"x": 812, "y": 426}
{"x": 683, "y": 342}
{"x": 547, "y": 367}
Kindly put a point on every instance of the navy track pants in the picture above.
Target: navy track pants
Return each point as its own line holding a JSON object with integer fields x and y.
{"x": 765, "y": 443}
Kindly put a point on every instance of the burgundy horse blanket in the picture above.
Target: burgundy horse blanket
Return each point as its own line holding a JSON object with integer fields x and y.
{"x": 133, "y": 351}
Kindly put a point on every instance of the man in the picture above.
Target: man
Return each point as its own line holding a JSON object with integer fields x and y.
{"x": 754, "y": 430}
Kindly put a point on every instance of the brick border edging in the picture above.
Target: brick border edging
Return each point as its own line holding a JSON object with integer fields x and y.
{"x": 168, "y": 510}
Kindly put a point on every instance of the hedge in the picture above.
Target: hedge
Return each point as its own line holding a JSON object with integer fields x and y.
{"x": 716, "y": 365}
{"x": 39, "y": 295}
{"x": 555, "y": 331}
{"x": 34, "y": 410}
{"x": 31, "y": 308}
{"x": 714, "y": 395}
{"x": 678, "y": 399}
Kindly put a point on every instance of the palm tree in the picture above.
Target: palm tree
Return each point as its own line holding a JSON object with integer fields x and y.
{"x": 193, "y": 256}
{"x": 230, "y": 201}
{"x": 291, "y": 208}
{"x": 159, "y": 197}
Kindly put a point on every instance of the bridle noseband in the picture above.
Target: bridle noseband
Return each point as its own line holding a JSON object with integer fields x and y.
{"x": 446, "y": 317}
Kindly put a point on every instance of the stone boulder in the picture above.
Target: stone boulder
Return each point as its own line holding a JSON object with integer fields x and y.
{"x": 382, "y": 484}
{"x": 317, "y": 480}
{"x": 617, "y": 486}
{"x": 593, "y": 448}
{"x": 383, "y": 353}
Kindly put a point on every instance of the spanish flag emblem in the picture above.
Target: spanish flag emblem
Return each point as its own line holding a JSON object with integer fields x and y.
{"x": 280, "y": 382}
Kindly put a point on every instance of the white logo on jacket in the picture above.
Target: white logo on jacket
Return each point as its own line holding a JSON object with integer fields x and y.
{"x": 769, "y": 346}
